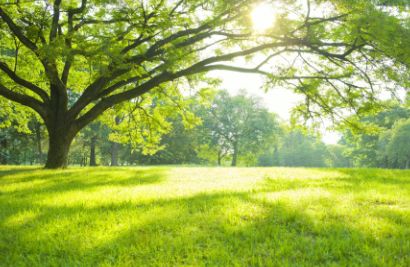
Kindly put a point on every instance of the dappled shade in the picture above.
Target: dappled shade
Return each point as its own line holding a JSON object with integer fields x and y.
{"x": 204, "y": 216}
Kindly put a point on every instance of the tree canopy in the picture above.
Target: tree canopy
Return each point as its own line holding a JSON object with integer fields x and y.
{"x": 70, "y": 61}
{"x": 235, "y": 126}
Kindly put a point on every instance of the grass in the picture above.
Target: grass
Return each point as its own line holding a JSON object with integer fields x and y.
{"x": 177, "y": 216}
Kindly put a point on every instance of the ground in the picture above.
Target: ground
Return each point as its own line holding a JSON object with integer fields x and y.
{"x": 183, "y": 216}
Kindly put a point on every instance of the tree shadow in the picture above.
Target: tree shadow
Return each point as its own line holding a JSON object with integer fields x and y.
{"x": 347, "y": 179}
{"x": 209, "y": 229}
{"x": 281, "y": 235}
{"x": 12, "y": 171}
{"x": 376, "y": 176}
{"x": 76, "y": 179}
{"x": 19, "y": 189}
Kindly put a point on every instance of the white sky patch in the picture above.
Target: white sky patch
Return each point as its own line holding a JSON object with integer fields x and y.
{"x": 263, "y": 17}
{"x": 277, "y": 100}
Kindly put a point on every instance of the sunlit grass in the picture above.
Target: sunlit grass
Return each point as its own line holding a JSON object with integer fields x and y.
{"x": 170, "y": 216}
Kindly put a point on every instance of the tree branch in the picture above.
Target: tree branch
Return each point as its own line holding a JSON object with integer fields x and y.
{"x": 24, "y": 100}
{"x": 56, "y": 18}
{"x": 79, "y": 9}
{"x": 32, "y": 87}
{"x": 110, "y": 101}
{"x": 17, "y": 31}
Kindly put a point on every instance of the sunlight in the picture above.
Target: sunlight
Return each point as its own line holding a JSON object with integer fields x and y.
{"x": 263, "y": 17}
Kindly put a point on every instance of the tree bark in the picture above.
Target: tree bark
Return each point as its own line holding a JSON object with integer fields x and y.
{"x": 235, "y": 154}
{"x": 37, "y": 128}
{"x": 59, "y": 146}
{"x": 115, "y": 146}
{"x": 114, "y": 153}
{"x": 3, "y": 154}
{"x": 84, "y": 158}
{"x": 93, "y": 160}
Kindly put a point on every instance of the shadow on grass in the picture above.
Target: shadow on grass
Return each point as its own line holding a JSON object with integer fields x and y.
{"x": 202, "y": 230}
{"x": 50, "y": 182}
{"x": 347, "y": 179}
{"x": 12, "y": 171}
{"x": 212, "y": 229}
{"x": 376, "y": 176}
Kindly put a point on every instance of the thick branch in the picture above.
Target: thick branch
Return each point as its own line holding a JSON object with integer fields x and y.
{"x": 258, "y": 71}
{"x": 24, "y": 100}
{"x": 68, "y": 42}
{"x": 32, "y": 87}
{"x": 95, "y": 21}
{"x": 164, "y": 77}
{"x": 117, "y": 85}
{"x": 56, "y": 18}
{"x": 17, "y": 31}
{"x": 110, "y": 101}
{"x": 66, "y": 70}
{"x": 94, "y": 89}
{"x": 80, "y": 9}
{"x": 90, "y": 92}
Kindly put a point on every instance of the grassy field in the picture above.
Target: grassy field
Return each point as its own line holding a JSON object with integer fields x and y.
{"x": 171, "y": 216}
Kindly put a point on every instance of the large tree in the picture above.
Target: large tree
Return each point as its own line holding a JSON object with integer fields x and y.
{"x": 112, "y": 51}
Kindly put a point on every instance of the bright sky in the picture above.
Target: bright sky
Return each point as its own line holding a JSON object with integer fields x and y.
{"x": 277, "y": 100}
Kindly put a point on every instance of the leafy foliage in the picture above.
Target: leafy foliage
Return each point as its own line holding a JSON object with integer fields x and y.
{"x": 70, "y": 61}
{"x": 375, "y": 148}
{"x": 398, "y": 149}
{"x": 236, "y": 126}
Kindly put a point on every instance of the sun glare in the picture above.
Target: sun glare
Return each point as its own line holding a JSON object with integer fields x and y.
{"x": 263, "y": 17}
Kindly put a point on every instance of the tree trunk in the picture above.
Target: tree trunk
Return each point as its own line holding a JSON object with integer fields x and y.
{"x": 219, "y": 158}
{"x": 275, "y": 159}
{"x": 235, "y": 154}
{"x": 3, "y": 153}
{"x": 114, "y": 153}
{"x": 83, "y": 160}
{"x": 115, "y": 146}
{"x": 38, "y": 142}
{"x": 61, "y": 131}
{"x": 59, "y": 145}
{"x": 93, "y": 161}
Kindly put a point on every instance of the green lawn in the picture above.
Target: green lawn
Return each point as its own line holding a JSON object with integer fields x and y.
{"x": 177, "y": 216}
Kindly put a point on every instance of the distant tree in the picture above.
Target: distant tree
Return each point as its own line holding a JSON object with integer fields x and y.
{"x": 237, "y": 125}
{"x": 177, "y": 147}
{"x": 398, "y": 148}
{"x": 38, "y": 133}
{"x": 114, "y": 146}
{"x": 21, "y": 135}
{"x": 302, "y": 149}
{"x": 367, "y": 145}
{"x": 337, "y": 157}
{"x": 92, "y": 133}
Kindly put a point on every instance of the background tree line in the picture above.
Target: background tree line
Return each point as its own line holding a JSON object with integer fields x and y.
{"x": 227, "y": 131}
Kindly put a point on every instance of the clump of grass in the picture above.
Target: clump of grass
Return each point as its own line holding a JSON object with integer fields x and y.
{"x": 204, "y": 217}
